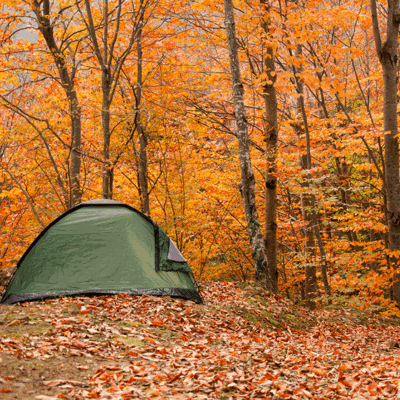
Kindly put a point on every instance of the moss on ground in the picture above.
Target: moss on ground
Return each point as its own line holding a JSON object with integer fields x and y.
{"x": 27, "y": 329}
{"x": 130, "y": 341}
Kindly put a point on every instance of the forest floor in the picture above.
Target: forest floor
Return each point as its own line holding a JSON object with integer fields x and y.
{"x": 241, "y": 344}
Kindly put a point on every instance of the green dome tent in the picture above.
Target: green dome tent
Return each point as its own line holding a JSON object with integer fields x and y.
{"x": 101, "y": 247}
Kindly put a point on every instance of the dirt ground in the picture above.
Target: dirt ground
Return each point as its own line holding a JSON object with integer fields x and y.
{"x": 30, "y": 377}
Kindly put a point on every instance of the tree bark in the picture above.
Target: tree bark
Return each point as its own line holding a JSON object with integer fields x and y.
{"x": 106, "y": 82}
{"x": 105, "y": 120}
{"x": 308, "y": 207}
{"x": 271, "y": 138}
{"x": 67, "y": 79}
{"x": 387, "y": 53}
{"x": 144, "y": 185}
{"x": 307, "y": 211}
{"x": 111, "y": 65}
{"x": 246, "y": 169}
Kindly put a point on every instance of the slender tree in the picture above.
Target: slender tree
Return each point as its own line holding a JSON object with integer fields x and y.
{"x": 106, "y": 41}
{"x": 143, "y": 173}
{"x": 67, "y": 74}
{"x": 388, "y": 57}
{"x": 246, "y": 169}
{"x": 271, "y": 139}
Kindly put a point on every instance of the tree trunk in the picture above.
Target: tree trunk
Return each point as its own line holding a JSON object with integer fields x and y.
{"x": 307, "y": 211}
{"x": 246, "y": 169}
{"x": 310, "y": 284}
{"x": 105, "y": 120}
{"x": 387, "y": 53}
{"x": 308, "y": 208}
{"x": 144, "y": 185}
{"x": 67, "y": 80}
{"x": 106, "y": 82}
{"x": 75, "y": 169}
{"x": 271, "y": 138}
{"x": 111, "y": 64}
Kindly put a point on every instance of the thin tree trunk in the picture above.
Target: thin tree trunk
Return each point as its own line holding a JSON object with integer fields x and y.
{"x": 310, "y": 284}
{"x": 388, "y": 56}
{"x": 271, "y": 136}
{"x": 67, "y": 80}
{"x": 105, "y": 120}
{"x": 246, "y": 169}
{"x": 111, "y": 65}
{"x": 105, "y": 110}
{"x": 144, "y": 185}
{"x": 309, "y": 210}
{"x": 75, "y": 162}
{"x": 324, "y": 264}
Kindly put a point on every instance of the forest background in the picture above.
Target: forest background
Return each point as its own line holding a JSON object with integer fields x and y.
{"x": 133, "y": 100}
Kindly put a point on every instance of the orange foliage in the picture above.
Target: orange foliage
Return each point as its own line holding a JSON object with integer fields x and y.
{"x": 192, "y": 151}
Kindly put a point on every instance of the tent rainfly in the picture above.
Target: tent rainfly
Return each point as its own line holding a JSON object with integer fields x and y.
{"x": 101, "y": 247}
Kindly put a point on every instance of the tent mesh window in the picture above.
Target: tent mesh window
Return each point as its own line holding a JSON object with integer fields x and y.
{"x": 171, "y": 258}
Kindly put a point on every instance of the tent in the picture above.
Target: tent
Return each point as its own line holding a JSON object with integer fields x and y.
{"x": 101, "y": 247}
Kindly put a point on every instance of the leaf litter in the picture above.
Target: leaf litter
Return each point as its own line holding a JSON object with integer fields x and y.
{"x": 242, "y": 344}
